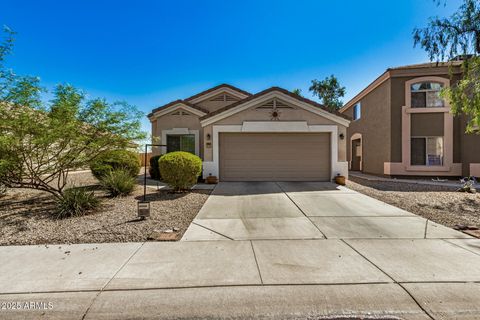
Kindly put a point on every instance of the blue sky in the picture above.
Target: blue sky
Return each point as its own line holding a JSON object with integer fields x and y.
{"x": 151, "y": 52}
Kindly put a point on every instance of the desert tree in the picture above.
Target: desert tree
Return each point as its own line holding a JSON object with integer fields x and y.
{"x": 457, "y": 36}
{"x": 42, "y": 142}
{"x": 329, "y": 91}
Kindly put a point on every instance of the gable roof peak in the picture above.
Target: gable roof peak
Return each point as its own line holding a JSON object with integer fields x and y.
{"x": 175, "y": 102}
{"x": 272, "y": 89}
{"x": 223, "y": 85}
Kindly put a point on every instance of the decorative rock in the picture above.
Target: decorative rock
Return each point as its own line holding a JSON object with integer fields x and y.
{"x": 164, "y": 236}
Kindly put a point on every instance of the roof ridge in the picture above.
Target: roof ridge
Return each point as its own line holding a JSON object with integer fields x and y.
{"x": 218, "y": 87}
{"x": 189, "y": 104}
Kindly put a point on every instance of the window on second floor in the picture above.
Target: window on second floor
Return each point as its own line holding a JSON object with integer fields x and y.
{"x": 357, "y": 111}
{"x": 426, "y": 95}
{"x": 427, "y": 151}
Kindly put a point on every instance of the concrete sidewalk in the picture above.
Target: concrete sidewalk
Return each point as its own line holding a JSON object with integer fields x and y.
{"x": 409, "y": 279}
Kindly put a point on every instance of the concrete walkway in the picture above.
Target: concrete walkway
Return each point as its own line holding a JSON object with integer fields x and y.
{"x": 365, "y": 259}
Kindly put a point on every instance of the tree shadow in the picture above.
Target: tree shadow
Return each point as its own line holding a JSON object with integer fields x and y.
{"x": 165, "y": 195}
{"x": 17, "y": 212}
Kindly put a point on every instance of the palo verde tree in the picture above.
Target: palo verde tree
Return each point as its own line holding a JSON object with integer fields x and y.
{"x": 40, "y": 143}
{"x": 329, "y": 91}
{"x": 457, "y": 36}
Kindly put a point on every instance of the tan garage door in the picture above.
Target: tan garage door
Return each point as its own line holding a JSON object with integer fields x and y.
{"x": 274, "y": 156}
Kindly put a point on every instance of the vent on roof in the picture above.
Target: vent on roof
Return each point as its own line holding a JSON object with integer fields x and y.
{"x": 231, "y": 98}
{"x": 180, "y": 113}
{"x": 224, "y": 97}
{"x": 275, "y": 104}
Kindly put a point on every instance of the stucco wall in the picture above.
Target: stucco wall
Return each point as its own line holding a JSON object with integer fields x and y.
{"x": 169, "y": 122}
{"x": 427, "y": 124}
{"x": 469, "y": 147}
{"x": 398, "y": 101}
{"x": 465, "y": 146}
{"x": 374, "y": 126}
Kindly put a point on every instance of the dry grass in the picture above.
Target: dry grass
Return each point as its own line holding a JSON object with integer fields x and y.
{"x": 440, "y": 204}
{"x": 27, "y": 216}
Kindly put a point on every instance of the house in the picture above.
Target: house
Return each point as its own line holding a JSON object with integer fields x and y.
{"x": 273, "y": 135}
{"x": 402, "y": 127}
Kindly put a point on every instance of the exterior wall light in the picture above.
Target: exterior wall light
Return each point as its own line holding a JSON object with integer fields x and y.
{"x": 342, "y": 136}
{"x": 208, "y": 136}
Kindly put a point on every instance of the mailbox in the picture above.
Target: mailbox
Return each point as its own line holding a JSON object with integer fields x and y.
{"x": 143, "y": 209}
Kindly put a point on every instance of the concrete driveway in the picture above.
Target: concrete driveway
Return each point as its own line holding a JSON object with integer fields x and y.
{"x": 304, "y": 210}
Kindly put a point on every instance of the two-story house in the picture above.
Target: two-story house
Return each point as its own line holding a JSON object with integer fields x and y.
{"x": 402, "y": 127}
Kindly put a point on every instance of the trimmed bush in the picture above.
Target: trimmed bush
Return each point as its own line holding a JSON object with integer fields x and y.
{"x": 154, "y": 169}
{"x": 118, "y": 183}
{"x": 115, "y": 160}
{"x": 180, "y": 169}
{"x": 76, "y": 202}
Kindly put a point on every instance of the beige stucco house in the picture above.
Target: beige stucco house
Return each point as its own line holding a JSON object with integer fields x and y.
{"x": 401, "y": 126}
{"x": 273, "y": 135}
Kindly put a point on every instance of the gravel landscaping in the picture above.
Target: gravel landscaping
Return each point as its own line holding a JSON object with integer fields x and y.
{"x": 441, "y": 204}
{"x": 27, "y": 216}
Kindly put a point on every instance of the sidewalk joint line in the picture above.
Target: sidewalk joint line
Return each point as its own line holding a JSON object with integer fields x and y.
{"x": 446, "y": 240}
{"x": 241, "y": 285}
{"x": 220, "y": 234}
{"x": 256, "y": 262}
{"x": 323, "y": 234}
{"x": 106, "y": 284}
{"x": 426, "y": 226}
{"x": 416, "y": 301}
{"x": 394, "y": 281}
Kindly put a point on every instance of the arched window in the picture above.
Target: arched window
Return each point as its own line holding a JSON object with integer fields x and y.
{"x": 426, "y": 95}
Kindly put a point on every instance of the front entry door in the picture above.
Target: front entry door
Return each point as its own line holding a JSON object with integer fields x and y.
{"x": 356, "y": 155}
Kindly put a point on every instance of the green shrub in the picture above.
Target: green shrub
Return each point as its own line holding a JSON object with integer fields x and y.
{"x": 76, "y": 202}
{"x": 154, "y": 169}
{"x": 113, "y": 160}
{"x": 118, "y": 183}
{"x": 180, "y": 169}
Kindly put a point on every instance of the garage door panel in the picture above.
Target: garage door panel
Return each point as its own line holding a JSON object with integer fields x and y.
{"x": 274, "y": 156}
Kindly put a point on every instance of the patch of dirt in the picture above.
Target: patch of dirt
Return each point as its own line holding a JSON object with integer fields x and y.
{"x": 441, "y": 204}
{"x": 28, "y": 216}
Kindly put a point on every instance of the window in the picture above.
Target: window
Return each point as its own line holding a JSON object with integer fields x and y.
{"x": 357, "y": 111}
{"x": 184, "y": 142}
{"x": 427, "y": 151}
{"x": 426, "y": 95}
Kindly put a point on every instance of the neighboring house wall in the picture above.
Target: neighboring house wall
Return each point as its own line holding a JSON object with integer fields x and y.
{"x": 418, "y": 122}
{"x": 375, "y": 118}
{"x": 378, "y": 133}
{"x": 469, "y": 150}
{"x": 397, "y": 102}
